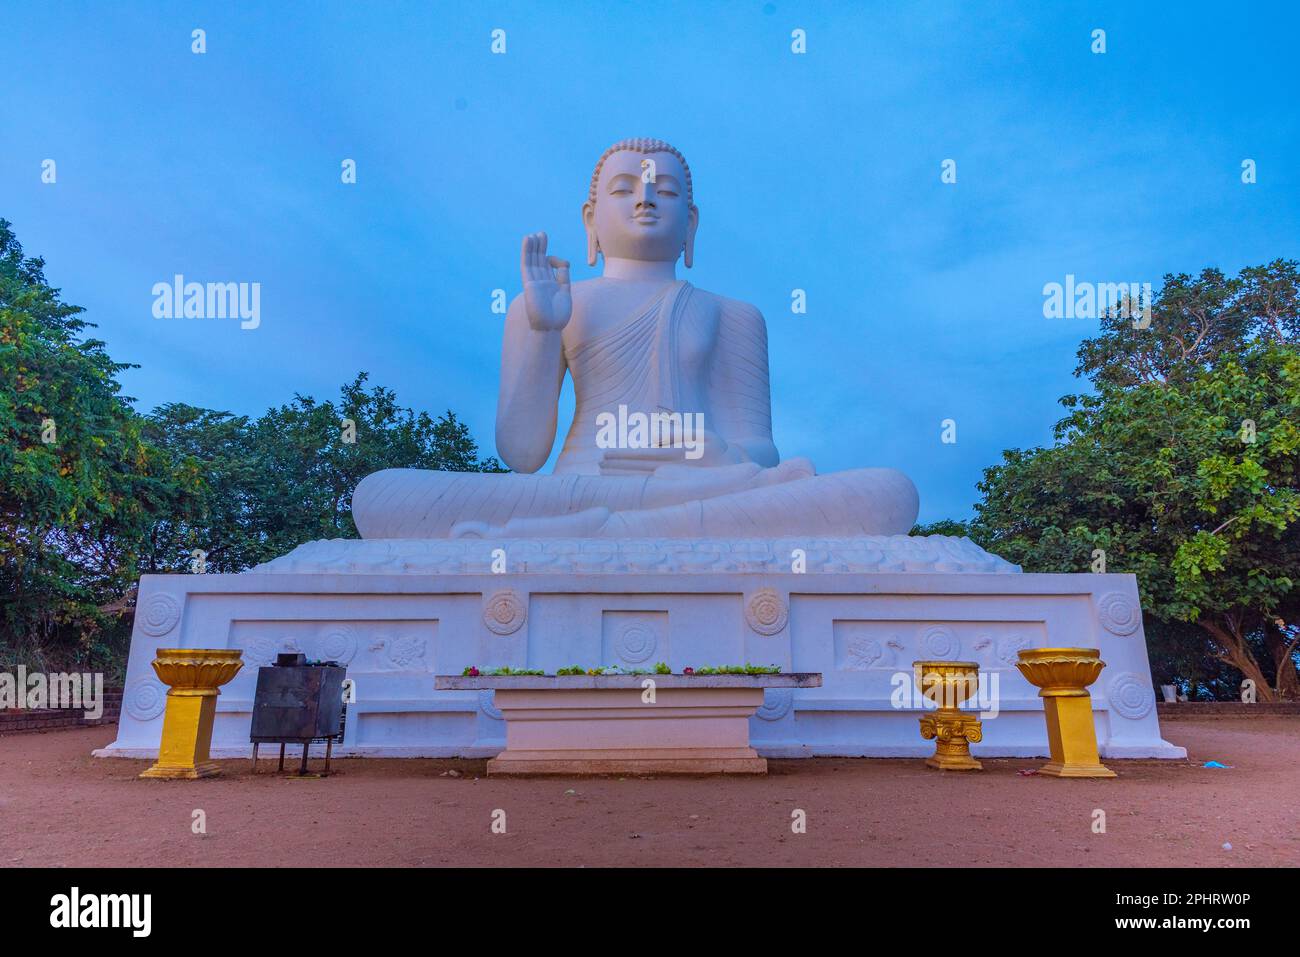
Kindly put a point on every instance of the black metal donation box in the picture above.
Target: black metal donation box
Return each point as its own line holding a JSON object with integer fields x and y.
{"x": 297, "y": 702}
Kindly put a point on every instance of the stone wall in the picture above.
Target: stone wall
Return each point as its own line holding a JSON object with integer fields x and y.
{"x": 19, "y": 720}
{"x": 1226, "y": 709}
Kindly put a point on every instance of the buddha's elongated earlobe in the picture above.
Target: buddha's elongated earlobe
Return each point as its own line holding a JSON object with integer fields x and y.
{"x": 689, "y": 257}
{"x": 589, "y": 221}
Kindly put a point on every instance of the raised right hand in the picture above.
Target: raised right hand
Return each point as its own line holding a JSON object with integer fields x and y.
{"x": 546, "y": 286}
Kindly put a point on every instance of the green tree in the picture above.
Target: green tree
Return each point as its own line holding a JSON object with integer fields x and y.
{"x": 93, "y": 494}
{"x": 945, "y": 526}
{"x": 215, "y": 449}
{"x": 1182, "y": 467}
{"x": 1194, "y": 321}
{"x": 311, "y": 456}
{"x": 79, "y": 484}
{"x": 271, "y": 484}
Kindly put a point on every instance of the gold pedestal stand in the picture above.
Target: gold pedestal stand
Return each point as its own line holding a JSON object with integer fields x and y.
{"x": 1064, "y": 674}
{"x": 195, "y": 677}
{"x": 948, "y": 684}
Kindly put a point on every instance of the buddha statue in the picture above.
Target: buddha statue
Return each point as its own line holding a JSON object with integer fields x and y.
{"x": 686, "y": 368}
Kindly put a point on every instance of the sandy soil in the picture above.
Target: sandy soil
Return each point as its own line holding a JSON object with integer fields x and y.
{"x": 59, "y": 806}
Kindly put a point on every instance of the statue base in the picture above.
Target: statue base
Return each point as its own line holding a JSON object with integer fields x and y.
{"x": 952, "y": 731}
{"x": 859, "y": 611}
{"x": 207, "y": 769}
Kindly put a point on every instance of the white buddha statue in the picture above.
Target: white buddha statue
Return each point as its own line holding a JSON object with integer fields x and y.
{"x": 641, "y": 346}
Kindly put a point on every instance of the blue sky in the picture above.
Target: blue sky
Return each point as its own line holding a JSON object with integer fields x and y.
{"x": 818, "y": 171}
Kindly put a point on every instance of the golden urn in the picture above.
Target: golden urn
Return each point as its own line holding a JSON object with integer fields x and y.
{"x": 1063, "y": 676}
{"x": 194, "y": 677}
{"x": 949, "y": 684}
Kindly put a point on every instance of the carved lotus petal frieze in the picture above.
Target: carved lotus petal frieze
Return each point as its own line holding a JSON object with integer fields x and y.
{"x": 197, "y": 669}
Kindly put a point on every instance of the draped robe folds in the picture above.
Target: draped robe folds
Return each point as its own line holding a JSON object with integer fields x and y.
{"x": 685, "y": 351}
{"x": 650, "y": 363}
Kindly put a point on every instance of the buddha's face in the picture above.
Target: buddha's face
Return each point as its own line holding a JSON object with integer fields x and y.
{"x": 636, "y": 218}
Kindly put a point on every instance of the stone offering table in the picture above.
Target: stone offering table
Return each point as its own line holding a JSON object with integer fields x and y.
{"x": 628, "y": 724}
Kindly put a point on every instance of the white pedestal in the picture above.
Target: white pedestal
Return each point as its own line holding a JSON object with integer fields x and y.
{"x": 859, "y": 616}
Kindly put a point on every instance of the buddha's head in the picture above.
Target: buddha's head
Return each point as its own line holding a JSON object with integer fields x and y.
{"x": 640, "y": 204}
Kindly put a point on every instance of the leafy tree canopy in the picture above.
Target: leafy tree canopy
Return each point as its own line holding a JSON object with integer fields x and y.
{"x": 79, "y": 485}
{"x": 1181, "y": 467}
{"x": 92, "y": 493}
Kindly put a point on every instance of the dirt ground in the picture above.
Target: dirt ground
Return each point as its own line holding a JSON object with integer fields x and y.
{"x": 61, "y": 807}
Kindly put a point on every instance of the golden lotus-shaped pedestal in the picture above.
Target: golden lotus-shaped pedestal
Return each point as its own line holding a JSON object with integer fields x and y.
{"x": 195, "y": 677}
{"x": 948, "y": 684}
{"x": 1064, "y": 674}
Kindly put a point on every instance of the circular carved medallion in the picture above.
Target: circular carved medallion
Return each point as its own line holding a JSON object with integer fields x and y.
{"x": 486, "y": 704}
{"x": 158, "y": 614}
{"x": 504, "y": 613}
{"x": 1130, "y": 695}
{"x": 766, "y": 612}
{"x": 1119, "y": 614}
{"x": 339, "y": 644}
{"x": 636, "y": 643}
{"x": 939, "y": 642}
{"x": 776, "y": 704}
{"x": 145, "y": 698}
